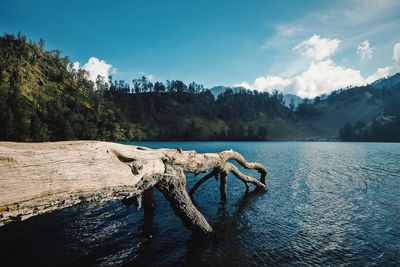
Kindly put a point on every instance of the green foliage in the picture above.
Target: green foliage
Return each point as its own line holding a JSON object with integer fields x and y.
{"x": 386, "y": 129}
{"x": 307, "y": 108}
{"x": 42, "y": 98}
{"x": 191, "y": 113}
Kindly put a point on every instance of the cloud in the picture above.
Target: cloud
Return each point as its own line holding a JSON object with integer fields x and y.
{"x": 322, "y": 77}
{"x": 317, "y": 48}
{"x": 75, "y": 65}
{"x": 396, "y": 57}
{"x": 150, "y": 77}
{"x": 96, "y": 67}
{"x": 364, "y": 50}
{"x": 344, "y": 19}
{"x": 366, "y": 10}
{"x": 267, "y": 84}
{"x": 244, "y": 84}
{"x": 384, "y": 72}
{"x": 379, "y": 73}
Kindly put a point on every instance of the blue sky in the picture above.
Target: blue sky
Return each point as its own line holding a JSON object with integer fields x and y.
{"x": 293, "y": 46}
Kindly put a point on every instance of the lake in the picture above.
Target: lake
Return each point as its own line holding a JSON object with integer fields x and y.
{"x": 327, "y": 203}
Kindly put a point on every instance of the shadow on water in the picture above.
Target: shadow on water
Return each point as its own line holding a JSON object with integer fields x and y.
{"x": 227, "y": 226}
{"x": 317, "y": 213}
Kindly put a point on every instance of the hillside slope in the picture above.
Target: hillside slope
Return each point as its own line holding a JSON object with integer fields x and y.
{"x": 360, "y": 105}
{"x": 335, "y": 113}
{"x": 42, "y": 98}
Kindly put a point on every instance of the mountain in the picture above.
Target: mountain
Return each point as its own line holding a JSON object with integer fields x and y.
{"x": 43, "y": 99}
{"x": 218, "y": 90}
{"x": 288, "y": 98}
{"x": 387, "y": 82}
{"x": 366, "y": 105}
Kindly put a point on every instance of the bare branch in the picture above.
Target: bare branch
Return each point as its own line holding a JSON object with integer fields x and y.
{"x": 36, "y": 178}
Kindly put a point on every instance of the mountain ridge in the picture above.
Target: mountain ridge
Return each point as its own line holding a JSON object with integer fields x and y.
{"x": 42, "y": 98}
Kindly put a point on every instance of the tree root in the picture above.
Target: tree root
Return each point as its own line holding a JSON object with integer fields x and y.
{"x": 41, "y": 177}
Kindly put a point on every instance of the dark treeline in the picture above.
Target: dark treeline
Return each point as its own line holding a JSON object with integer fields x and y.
{"x": 183, "y": 115}
{"x": 385, "y": 130}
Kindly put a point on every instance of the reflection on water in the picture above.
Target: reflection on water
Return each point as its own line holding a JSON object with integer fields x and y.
{"x": 326, "y": 204}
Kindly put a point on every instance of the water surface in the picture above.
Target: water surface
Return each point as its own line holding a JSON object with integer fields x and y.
{"x": 334, "y": 204}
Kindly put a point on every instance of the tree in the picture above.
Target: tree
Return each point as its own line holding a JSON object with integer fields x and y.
{"x": 347, "y": 132}
{"x": 43, "y": 99}
{"x": 250, "y": 133}
{"x": 262, "y": 133}
{"x": 159, "y": 87}
{"x": 192, "y": 88}
{"x": 100, "y": 83}
{"x": 291, "y": 105}
{"x": 137, "y": 86}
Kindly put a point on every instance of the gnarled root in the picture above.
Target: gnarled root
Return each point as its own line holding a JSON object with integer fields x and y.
{"x": 222, "y": 170}
{"x": 42, "y": 177}
{"x": 174, "y": 190}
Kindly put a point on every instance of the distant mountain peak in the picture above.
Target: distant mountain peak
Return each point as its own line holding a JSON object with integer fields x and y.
{"x": 386, "y": 82}
{"x": 288, "y": 98}
{"x": 217, "y": 90}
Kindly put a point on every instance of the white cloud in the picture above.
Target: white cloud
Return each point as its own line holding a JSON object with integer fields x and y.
{"x": 150, "y": 77}
{"x": 346, "y": 20}
{"x": 244, "y": 84}
{"x": 364, "y": 50}
{"x": 390, "y": 70}
{"x": 396, "y": 57}
{"x": 363, "y": 11}
{"x": 379, "y": 73}
{"x": 317, "y": 48}
{"x": 115, "y": 71}
{"x": 96, "y": 67}
{"x": 267, "y": 84}
{"x": 324, "y": 77}
{"x": 75, "y": 65}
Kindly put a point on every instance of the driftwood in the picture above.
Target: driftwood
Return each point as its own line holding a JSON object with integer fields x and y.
{"x": 36, "y": 178}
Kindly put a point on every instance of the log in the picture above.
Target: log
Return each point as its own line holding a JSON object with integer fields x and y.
{"x": 37, "y": 178}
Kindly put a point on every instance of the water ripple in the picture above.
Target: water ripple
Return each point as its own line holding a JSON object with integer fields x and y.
{"x": 335, "y": 204}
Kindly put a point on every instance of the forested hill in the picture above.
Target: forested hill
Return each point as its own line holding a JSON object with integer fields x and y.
{"x": 42, "y": 98}
{"x": 383, "y": 123}
{"x": 367, "y": 113}
{"x": 181, "y": 115}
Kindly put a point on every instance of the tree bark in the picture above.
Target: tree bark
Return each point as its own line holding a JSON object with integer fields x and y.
{"x": 36, "y": 178}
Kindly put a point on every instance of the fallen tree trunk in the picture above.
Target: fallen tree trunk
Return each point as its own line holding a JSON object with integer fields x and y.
{"x": 36, "y": 178}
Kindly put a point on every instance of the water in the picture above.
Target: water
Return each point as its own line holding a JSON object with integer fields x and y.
{"x": 334, "y": 204}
